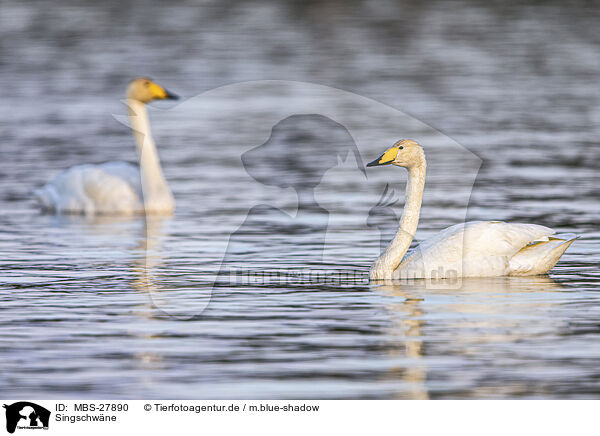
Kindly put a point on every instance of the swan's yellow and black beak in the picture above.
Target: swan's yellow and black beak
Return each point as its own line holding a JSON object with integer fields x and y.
{"x": 160, "y": 93}
{"x": 171, "y": 95}
{"x": 386, "y": 158}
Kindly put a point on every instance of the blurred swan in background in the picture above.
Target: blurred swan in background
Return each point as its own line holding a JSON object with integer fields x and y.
{"x": 117, "y": 187}
{"x": 473, "y": 249}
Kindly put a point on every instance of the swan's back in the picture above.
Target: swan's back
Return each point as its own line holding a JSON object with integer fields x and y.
{"x": 108, "y": 188}
{"x": 485, "y": 248}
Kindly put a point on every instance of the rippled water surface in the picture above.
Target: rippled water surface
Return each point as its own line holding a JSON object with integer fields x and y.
{"x": 269, "y": 178}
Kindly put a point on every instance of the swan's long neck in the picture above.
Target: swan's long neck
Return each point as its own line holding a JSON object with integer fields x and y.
{"x": 389, "y": 260}
{"x": 156, "y": 192}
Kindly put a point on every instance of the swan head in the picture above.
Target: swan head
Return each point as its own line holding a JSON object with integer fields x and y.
{"x": 145, "y": 90}
{"x": 404, "y": 153}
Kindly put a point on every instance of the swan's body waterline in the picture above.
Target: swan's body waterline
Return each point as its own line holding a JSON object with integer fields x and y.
{"x": 473, "y": 249}
{"x": 117, "y": 188}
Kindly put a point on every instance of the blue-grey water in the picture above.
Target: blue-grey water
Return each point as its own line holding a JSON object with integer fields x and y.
{"x": 129, "y": 308}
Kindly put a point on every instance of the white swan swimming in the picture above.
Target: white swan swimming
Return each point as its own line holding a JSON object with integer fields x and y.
{"x": 119, "y": 188}
{"x": 473, "y": 249}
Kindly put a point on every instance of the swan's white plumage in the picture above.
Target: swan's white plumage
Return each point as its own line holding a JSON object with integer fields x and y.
{"x": 540, "y": 256}
{"x": 484, "y": 249}
{"x": 473, "y": 249}
{"x": 108, "y": 188}
{"x": 117, "y": 187}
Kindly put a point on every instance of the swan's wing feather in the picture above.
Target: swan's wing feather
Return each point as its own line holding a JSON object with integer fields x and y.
{"x": 476, "y": 248}
{"x": 500, "y": 238}
{"x": 540, "y": 256}
{"x": 128, "y": 171}
{"x": 112, "y": 187}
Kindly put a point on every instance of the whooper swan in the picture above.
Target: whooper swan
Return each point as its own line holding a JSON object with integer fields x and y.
{"x": 119, "y": 188}
{"x": 473, "y": 249}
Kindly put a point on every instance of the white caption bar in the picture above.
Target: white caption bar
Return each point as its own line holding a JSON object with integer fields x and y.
{"x": 159, "y": 417}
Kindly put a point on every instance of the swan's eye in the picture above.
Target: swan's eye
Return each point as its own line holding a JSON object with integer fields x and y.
{"x": 400, "y": 148}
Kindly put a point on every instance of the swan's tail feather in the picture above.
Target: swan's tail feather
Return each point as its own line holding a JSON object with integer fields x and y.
{"x": 540, "y": 256}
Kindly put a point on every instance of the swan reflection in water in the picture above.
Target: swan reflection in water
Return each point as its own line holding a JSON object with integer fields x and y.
{"x": 121, "y": 253}
{"x": 481, "y": 311}
{"x": 433, "y": 332}
{"x": 177, "y": 293}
